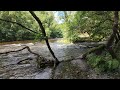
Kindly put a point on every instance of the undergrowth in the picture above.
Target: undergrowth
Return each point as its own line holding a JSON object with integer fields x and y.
{"x": 103, "y": 62}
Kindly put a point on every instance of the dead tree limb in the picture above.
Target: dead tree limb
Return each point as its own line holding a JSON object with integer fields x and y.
{"x": 19, "y": 25}
{"x": 26, "y": 47}
{"x": 98, "y": 50}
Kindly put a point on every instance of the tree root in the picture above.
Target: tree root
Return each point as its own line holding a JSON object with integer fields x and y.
{"x": 98, "y": 50}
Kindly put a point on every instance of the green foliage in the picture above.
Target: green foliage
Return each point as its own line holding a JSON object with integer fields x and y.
{"x": 13, "y": 32}
{"x": 97, "y": 24}
{"x": 39, "y": 37}
{"x": 113, "y": 64}
{"x": 103, "y": 63}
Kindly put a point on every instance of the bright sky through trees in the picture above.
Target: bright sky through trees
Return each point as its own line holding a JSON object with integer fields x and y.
{"x": 57, "y": 18}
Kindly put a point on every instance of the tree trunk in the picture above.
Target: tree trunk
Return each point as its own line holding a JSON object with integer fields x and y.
{"x": 115, "y": 35}
{"x": 45, "y": 37}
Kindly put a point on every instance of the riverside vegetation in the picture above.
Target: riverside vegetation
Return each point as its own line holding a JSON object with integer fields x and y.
{"x": 60, "y": 44}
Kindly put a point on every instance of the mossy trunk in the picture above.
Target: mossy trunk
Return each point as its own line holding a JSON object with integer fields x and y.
{"x": 114, "y": 37}
{"x": 97, "y": 50}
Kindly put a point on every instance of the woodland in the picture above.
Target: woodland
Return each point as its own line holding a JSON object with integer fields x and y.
{"x": 95, "y": 34}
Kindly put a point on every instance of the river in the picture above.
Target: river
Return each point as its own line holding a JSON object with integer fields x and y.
{"x": 63, "y": 51}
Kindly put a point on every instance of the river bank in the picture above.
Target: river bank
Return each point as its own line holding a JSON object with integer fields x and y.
{"x": 76, "y": 69}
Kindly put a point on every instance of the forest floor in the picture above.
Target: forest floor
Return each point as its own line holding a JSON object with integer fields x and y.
{"x": 75, "y": 69}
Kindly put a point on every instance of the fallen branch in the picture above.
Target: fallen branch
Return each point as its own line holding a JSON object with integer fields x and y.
{"x": 41, "y": 61}
{"x": 20, "y": 62}
{"x": 98, "y": 50}
{"x": 26, "y": 47}
{"x": 13, "y": 51}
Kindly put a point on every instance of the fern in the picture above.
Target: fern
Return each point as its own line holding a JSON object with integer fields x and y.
{"x": 115, "y": 64}
{"x": 109, "y": 64}
{"x": 102, "y": 63}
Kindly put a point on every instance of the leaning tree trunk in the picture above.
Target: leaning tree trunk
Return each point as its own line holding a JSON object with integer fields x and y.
{"x": 45, "y": 37}
{"x": 115, "y": 36}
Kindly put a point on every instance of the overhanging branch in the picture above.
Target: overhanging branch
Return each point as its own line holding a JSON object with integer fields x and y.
{"x": 18, "y": 24}
{"x": 45, "y": 36}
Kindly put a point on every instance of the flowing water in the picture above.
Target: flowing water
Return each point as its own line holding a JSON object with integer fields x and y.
{"x": 10, "y": 70}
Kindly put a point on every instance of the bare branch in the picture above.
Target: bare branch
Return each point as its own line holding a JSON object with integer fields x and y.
{"x": 26, "y": 47}
{"x": 18, "y": 24}
{"x": 45, "y": 37}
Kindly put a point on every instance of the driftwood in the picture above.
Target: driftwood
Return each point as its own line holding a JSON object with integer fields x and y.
{"x": 41, "y": 61}
{"x": 26, "y": 47}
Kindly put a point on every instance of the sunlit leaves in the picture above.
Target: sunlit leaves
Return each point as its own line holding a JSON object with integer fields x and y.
{"x": 24, "y": 18}
{"x": 98, "y": 24}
